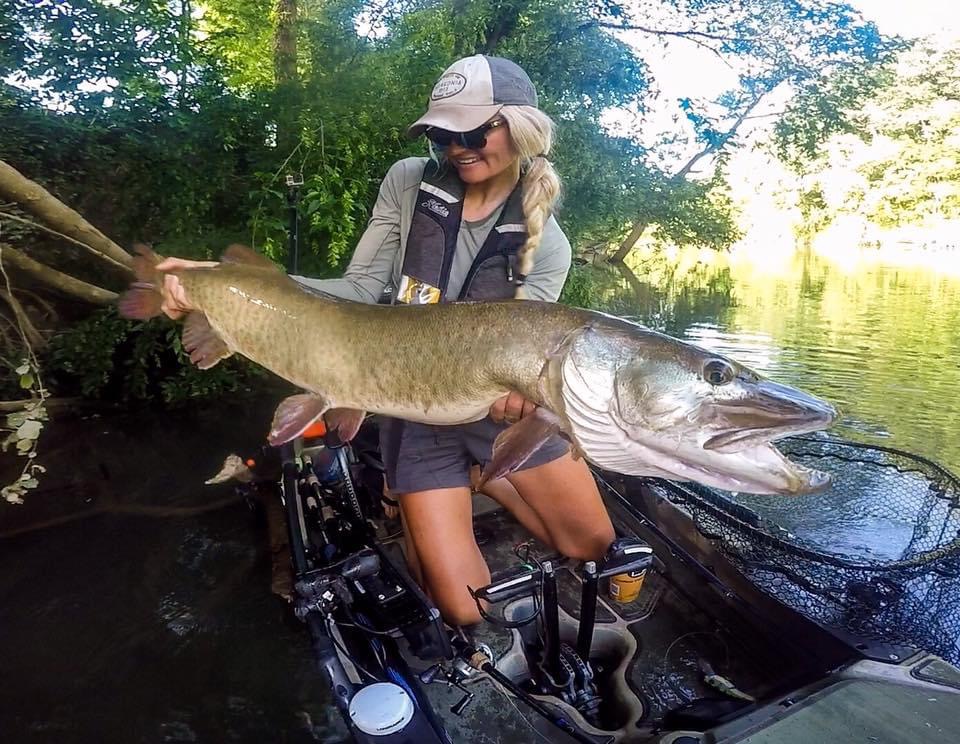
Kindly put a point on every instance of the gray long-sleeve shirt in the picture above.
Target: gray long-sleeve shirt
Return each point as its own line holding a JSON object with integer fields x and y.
{"x": 378, "y": 258}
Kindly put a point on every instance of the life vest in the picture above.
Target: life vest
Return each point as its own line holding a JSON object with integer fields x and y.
{"x": 432, "y": 242}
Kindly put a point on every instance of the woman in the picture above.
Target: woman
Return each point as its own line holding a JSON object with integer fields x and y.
{"x": 471, "y": 223}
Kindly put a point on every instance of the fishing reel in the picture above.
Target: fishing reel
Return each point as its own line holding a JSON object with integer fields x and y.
{"x": 324, "y": 591}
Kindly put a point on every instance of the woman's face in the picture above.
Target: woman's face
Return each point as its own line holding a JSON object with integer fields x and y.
{"x": 491, "y": 160}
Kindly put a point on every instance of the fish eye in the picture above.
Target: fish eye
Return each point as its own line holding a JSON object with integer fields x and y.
{"x": 718, "y": 372}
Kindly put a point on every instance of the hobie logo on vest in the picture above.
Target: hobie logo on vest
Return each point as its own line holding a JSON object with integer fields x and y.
{"x": 449, "y": 85}
{"x": 436, "y": 207}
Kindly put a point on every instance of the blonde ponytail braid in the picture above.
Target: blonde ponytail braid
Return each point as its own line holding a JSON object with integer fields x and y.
{"x": 532, "y": 133}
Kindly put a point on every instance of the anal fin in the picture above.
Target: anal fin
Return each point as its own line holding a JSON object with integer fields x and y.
{"x": 514, "y": 446}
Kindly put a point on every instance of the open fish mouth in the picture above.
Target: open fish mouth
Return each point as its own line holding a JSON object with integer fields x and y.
{"x": 784, "y": 476}
{"x": 613, "y": 444}
{"x": 759, "y": 468}
{"x": 772, "y": 412}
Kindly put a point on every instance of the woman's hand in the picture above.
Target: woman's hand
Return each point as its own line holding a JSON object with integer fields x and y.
{"x": 391, "y": 508}
{"x": 175, "y": 304}
{"x": 511, "y": 408}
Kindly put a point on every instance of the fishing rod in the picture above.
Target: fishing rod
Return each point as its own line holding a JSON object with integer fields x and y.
{"x": 294, "y": 182}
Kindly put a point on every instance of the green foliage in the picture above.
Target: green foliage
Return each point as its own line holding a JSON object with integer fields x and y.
{"x": 582, "y": 286}
{"x": 108, "y": 357}
{"x": 891, "y": 158}
{"x": 184, "y": 154}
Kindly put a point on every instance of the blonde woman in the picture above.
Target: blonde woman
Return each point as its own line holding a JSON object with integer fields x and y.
{"x": 472, "y": 222}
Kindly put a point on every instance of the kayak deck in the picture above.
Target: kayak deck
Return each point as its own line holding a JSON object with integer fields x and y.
{"x": 652, "y": 646}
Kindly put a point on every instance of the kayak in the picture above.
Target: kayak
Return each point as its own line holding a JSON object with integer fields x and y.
{"x": 671, "y": 637}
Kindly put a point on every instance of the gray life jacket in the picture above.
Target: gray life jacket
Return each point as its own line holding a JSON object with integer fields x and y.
{"x": 432, "y": 241}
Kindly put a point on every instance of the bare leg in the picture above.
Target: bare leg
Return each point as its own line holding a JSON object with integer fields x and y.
{"x": 565, "y": 497}
{"x": 504, "y": 493}
{"x": 438, "y": 525}
{"x": 410, "y": 552}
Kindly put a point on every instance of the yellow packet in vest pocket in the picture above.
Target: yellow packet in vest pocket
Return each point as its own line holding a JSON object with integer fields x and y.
{"x": 416, "y": 292}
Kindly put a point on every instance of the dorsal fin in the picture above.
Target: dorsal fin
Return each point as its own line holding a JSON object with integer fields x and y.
{"x": 241, "y": 254}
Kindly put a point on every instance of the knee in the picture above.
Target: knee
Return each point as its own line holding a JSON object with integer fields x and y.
{"x": 458, "y": 610}
{"x": 589, "y": 546}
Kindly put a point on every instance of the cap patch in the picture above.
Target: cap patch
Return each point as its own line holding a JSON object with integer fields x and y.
{"x": 448, "y": 85}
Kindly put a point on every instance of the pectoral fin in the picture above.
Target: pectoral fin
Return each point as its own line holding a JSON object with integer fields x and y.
{"x": 201, "y": 342}
{"x": 514, "y": 446}
{"x": 346, "y": 421}
{"x": 294, "y": 415}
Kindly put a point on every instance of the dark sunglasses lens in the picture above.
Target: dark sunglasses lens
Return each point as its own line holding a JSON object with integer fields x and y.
{"x": 441, "y": 137}
{"x": 475, "y": 139}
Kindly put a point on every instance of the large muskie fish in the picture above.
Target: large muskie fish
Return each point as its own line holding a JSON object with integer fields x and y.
{"x": 628, "y": 399}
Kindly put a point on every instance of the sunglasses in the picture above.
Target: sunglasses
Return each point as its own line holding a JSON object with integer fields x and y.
{"x": 475, "y": 139}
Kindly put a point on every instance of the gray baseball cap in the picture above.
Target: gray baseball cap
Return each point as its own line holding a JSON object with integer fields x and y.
{"x": 471, "y": 91}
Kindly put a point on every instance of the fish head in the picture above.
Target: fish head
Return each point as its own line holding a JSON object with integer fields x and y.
{"x": 644, "y": 403}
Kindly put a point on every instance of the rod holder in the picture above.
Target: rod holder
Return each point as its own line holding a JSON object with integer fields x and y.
{"x": 588, "y": 610}
{"x": 551, "y": 621}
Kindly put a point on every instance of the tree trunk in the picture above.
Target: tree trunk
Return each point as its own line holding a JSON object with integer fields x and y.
{"x": 29, "y": 332}
{"x": 628, "y": 242}
{"x": 286, "y": 77}
{"x": 186, "y": 21}
{"x": 461, "y": 42}
{"x": 75, "y": 288}
{"x": 45, "y": 206}
{"x": 501, "y": 25}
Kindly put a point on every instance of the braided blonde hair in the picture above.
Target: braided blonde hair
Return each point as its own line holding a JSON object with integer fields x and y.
{"x": 532, "y": 133}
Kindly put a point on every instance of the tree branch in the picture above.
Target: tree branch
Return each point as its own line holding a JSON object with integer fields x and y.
{"x": 32, "y": 335}
{"x": 690, "y": 34}
{"x": 727, "y": 136}
{"x": 39, "y": 202}
{"x": 57, "y": 280}
{"x": 50, "y": 230}
{"x": 627, "y": 245}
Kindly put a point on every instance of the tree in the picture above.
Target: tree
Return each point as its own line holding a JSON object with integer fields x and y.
{"x": 889, "y": 160}
{"x": 175, "y": 122}
{"x": 773, "y": 44}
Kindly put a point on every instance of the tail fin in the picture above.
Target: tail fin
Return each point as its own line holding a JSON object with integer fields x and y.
{"x": 143, "y": 299}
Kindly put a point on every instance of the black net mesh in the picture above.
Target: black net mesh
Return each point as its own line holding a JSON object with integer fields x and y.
{"x": 877, "y": 555}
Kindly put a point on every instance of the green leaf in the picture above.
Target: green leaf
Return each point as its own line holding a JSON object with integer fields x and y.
{"x": 29, "y": 430}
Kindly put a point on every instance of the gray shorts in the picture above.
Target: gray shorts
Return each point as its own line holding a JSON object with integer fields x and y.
{"x": 420, "y": 457}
